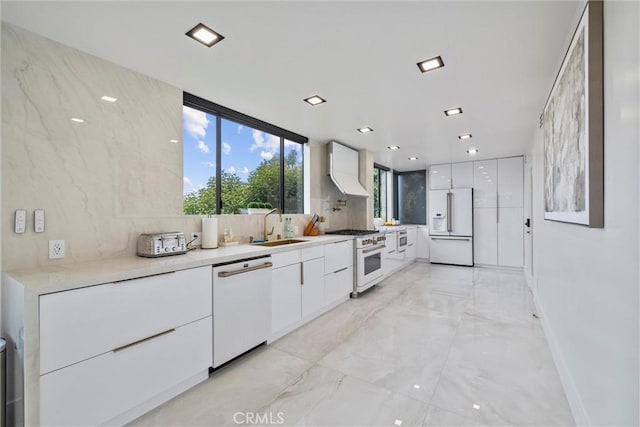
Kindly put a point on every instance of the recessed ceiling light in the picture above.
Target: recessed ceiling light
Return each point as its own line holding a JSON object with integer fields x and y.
{"x": 175, "y": 141}
{"x": 365, "y": 130}
{"x": 413, "y": 158}
{"x": 393, "y": 147}
{"x": 430, "y": 64}
{"x": 204, "y": 35}
{"x": 314, "y": 100}
{"x": 77, "y": 120}
{"x": 398, "y": 422}
{"x": 109, "y": 98}
{"x": 472, "y": 150}
{"x": 453, "y": 111}
{"x": 465, "y": 136}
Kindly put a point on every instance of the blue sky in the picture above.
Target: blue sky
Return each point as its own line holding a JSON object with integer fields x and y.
{"x": 243, "y": 148}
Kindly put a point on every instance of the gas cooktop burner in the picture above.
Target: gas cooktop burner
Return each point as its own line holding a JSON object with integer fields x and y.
{"x": 348, "y": 232}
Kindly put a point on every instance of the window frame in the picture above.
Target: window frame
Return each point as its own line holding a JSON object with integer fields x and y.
{"x": 385, "y": 169}
{"x": 221, "y": 112}
{"x": 396, "y": 192}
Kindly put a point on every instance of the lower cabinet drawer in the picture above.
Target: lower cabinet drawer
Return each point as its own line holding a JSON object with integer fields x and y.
{"x": 82, "y": 323}
{"x": 96, "y": 390}
{"x": 338, "y": 285}
{"x": 337, "y": 256}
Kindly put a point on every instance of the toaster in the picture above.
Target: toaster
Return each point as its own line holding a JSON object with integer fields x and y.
{"x": 153, "y": 245}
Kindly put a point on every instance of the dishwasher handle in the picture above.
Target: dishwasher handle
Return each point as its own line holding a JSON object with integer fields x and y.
{"x": 245, "y": 270}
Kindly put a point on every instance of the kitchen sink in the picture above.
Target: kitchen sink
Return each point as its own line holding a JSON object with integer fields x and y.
{"x": 280, "y": 242}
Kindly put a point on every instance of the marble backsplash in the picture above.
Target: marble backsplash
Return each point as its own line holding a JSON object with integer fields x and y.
{"x": 116, "y": 175}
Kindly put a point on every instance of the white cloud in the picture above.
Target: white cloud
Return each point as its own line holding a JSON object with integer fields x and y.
{"x": 209, "y": 164}
{"x": 231, "y": 169}
{"x": 187, "y": 185}
{"x": 226, "y": 147}
{"x": 204, "y": 148}
{"x": 269, "y": 144}
{"x": 240, "y": 127}
{"x": 244, "y": 170}
{"x": 195, "y": 122}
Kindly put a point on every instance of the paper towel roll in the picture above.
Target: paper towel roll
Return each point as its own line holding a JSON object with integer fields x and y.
{"x": 209, "y": 233}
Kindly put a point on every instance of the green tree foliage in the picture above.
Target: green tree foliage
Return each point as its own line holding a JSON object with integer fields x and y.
{"x": 263, "y": 185}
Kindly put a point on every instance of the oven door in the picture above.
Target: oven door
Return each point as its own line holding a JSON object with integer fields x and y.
{"x": 369, "y": 266}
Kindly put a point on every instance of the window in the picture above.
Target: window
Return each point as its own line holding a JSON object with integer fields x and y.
{"x": 411, "y": 199}
{"x": 232, "y": 160}
{"x": 380, "y": 178}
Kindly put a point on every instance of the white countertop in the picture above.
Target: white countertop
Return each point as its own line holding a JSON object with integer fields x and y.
{"x": 70, "y": 276}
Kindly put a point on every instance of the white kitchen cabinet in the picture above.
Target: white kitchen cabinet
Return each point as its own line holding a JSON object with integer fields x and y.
{"x": 113, "y": 351}
{"x": 338, "y": 256}
{"x": 440, "y": 177}
{"x": 338, "y": 268}
{"x": 462, "y": 175}
{"x": 485, "y": 184}
{"x": 485, "y": 236}
{"x": 389, "y": 251}
{"x": 412, "y": 245}
{"x": 338, "y": 284}
{"x": 286, "y": 295}
{"x": 82, "y": 323}
{"x": 510, "y": 182}
{"x": 96, "y": 391}
{"x": 313, "y": 286}
{"x": 510, "y": 237}
{"x": 423, "y": 243}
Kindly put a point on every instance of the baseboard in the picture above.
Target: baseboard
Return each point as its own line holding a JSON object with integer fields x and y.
{"x": 575, "y": 402}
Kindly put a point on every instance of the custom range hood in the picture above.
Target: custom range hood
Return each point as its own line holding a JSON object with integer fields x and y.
{"x": 343, "y": 169}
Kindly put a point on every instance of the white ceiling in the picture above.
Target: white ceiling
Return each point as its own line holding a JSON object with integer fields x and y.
{"x": 500, "y": 61}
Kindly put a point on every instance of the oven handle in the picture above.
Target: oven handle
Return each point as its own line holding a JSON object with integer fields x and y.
{"x": 375, "y": 248}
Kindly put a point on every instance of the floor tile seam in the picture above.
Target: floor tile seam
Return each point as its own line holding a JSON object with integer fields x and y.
{"x": 435, "y": 389}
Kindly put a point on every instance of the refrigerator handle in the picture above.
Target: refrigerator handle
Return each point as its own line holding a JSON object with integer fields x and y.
{"x": 449, "y": 222}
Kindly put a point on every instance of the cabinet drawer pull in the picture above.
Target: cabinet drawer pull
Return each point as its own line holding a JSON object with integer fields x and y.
{"x": 302, "y": 273}
{"x": 245, "y": 270}
{"x": 338, "y": 271}
{"x": 115, "y": 350}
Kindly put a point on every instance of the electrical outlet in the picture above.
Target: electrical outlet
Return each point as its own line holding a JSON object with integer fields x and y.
{"x": 56, "y": 249}
{"x": 198, "y": 238}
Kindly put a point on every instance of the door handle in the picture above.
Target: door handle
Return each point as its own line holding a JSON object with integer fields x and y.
{"x": 449, "y": 222}
{"x": 244, "y": 270}
{"x": 528, "y": 222}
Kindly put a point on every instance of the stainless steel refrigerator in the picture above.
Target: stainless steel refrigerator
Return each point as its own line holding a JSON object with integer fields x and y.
{"x": 451, "y": 226}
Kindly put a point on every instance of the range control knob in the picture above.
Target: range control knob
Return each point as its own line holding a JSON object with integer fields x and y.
{"x": 166, "y": 249}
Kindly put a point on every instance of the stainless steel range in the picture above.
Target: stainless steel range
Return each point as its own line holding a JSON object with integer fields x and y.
{"x": 367, "y": 257}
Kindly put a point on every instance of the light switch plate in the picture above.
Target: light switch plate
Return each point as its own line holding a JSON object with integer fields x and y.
{"x": 20, "y": 224}
{"x": 38, "y": 220}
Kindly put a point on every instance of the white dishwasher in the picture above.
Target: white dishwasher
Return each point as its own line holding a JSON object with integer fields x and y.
{"x": 241, "y": 307}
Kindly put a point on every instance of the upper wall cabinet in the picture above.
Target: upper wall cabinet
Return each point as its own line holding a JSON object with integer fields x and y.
{"x": 462, "y": 175}
{"x": 440, "y": 177}
{"x": 510, "y": 182}
{"x": 485, "y": 183}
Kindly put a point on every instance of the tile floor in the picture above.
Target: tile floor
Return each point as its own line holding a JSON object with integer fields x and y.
{"x": 430, "y": 346}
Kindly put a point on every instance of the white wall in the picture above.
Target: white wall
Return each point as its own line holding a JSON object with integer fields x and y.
{"x": 105, "y": 181}
{"x": 586, "y": 280}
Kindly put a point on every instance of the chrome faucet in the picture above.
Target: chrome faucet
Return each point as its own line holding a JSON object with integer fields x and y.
{"x": 265, "y": 234}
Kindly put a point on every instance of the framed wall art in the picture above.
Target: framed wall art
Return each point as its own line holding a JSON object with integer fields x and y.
{"x": 572, "y": 121}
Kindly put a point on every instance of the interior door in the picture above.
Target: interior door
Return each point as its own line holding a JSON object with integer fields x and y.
{"x": 461, "y": 212}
